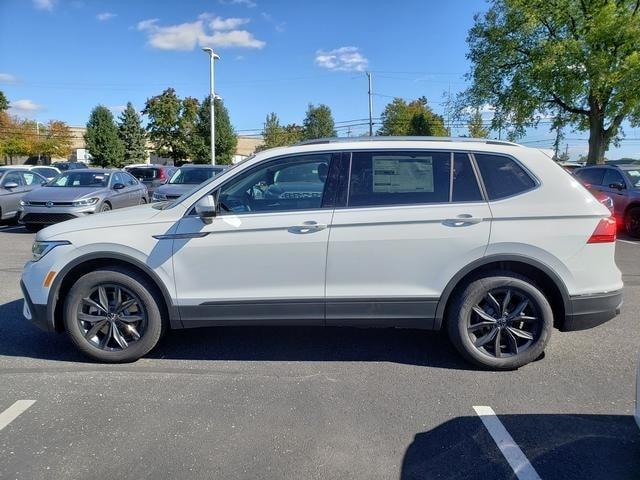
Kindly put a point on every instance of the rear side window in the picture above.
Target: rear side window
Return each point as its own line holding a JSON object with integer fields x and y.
{"x": 465, "y": 183}
{"x": 502, "y": 176}
{"x": 399, "y": 178}
{"x": 612, "y": 176}
{"x": 592, "y": 176}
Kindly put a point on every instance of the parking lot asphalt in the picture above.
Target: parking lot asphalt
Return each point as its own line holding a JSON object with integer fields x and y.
{"x": 315, "y": 403}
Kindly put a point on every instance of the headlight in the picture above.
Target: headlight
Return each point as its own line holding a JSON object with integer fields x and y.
{"x": 39, "y": 248}
{"x": 158, "y": 197}
{"x": 87, "y": 202}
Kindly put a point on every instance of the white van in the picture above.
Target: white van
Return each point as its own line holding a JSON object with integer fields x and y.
{"x": 491, "y": 240}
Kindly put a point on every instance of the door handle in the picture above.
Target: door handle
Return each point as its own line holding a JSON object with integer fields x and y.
{"x": 307, "y": 227}
{"x": 462, "y": 220}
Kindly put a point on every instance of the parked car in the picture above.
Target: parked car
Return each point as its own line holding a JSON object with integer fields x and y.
{"x": 570, "y": 166}
{"x": 78, "y": 193}
{"x": 622, "y": 184}
{"x": 43, "y": 170}
{"x": 184, "y": 179}
{"x": 15, "y": 183}
{"x": 64, "y": 166}
{"x": 484, "y": 239}
{"x": 152, "y": 175}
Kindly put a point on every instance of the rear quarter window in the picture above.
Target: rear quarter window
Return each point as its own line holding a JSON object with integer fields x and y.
{"x": 502, "y": 176}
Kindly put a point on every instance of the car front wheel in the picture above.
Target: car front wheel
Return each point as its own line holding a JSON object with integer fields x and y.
{"x": 111, "y": 315}
{"x": 500, "y": 321}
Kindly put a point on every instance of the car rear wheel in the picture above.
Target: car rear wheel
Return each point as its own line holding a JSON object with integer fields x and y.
{"x": 111, "y": 315}
{"x": 632, "y": 222}
{"x": 500, "y": 321}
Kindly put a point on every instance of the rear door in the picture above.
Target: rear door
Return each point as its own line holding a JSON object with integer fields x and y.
{"x": 411, "y": 220}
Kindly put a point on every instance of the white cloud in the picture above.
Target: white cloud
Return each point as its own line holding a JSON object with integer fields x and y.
{"x": 43, "y": 4}
{"x": 343, "y": 59}
{"x": 103, "y": 17}
{"x": 206, "y": 31}
{"x": 25, "y": 106}
{"x": 245, "y": 3}
{"x": 219, "y": 23}
{"x": 7, "y": 78}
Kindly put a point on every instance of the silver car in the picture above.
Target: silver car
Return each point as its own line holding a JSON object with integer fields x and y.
{"x": 15, "y": 183}
{"x": 184, "y": 179}
{"x": 81, "y": 192}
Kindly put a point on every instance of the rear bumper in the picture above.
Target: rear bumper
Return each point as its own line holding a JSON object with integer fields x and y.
{"x": 588, "y": 311}
{"x": 36, "y": 314}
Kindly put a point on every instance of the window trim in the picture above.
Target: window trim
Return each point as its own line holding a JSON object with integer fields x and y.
{"x": 191, "y": 209}
{"x": 530, "y": 174}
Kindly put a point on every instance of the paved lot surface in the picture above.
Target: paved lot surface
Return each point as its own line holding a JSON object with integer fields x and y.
{"x": 312, "y": 403}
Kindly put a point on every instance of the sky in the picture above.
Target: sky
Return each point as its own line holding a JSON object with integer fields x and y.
{"x": 60, "y": 58}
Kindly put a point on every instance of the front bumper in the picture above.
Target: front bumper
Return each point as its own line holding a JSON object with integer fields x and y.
{"x": 36, "y": 314}
{"x": 588, "y": 311}
{"x": 37, "y": 215}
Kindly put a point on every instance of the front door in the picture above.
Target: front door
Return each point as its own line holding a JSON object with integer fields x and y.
{"x": 413, "y": 219}
{"x": 263, "y": 258}
{"x": 10, "y": 202}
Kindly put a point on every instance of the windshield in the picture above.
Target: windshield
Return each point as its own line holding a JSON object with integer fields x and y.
{"x": 193, "y": 175}
{"x": 634, "y": 176}
{"x": 77, "y": 178}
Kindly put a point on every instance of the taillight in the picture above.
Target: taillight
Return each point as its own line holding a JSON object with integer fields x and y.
{"x": 162, "y": 175}
{"x": 605, "y": 232}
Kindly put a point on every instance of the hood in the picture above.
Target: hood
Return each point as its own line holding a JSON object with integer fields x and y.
{"x": 175, "y": 189}
{"x": 63, "y": 194}
{"x": 114, "y": 218}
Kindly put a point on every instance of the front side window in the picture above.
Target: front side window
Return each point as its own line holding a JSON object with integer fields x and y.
{"x": 132, "y": 182}
{"x": 30, "y": 178}
{"x": 12, "y": 177}
{"x": 292, "y": 183}
{"x": 399, "y": 178}
{"x": 612, "y": 176}
{"x": 502, "y": 176}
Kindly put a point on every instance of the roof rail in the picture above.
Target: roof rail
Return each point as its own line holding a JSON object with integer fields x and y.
{"x": 380, "y": 138}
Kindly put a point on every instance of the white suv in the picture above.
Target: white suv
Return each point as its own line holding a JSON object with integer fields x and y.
{"x": 490, "y": 240}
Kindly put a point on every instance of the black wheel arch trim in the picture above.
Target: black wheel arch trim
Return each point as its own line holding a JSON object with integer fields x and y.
{"x": 455, "y": 280}
{"x": 52, "y": 299}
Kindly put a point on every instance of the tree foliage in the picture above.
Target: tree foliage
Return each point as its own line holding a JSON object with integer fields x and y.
{"x": 54, "y": 141}
{"x": 4, "y": 103}
{"x": 226, "y": 139}
{"x": 132, "y": 136}
{"x": 101, "y": 137}
{"x": 163, "y": 113}
{"x": 400, "y": 118}
{"x": 276, "y": 135}
{"x": 17, "y": 136}
{"x": 318, "y": 123}
{"x": 476, "y": 125}
{"x": 532, "y": 58}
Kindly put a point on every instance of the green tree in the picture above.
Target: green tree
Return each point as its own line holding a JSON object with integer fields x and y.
{"x": 55, "y": 140}
{"x": 102, "y": 139}
{"x": 413, "y": 118}
{"x": 226, "y": 139}
{"x": 16, "y": 136}
{"x": 272, "y": 133}
{"x": 532, "y": 57}
{"x": 318, "y": 123}
{"x": 476, "y": 125}
{"x": 133, "y": 136}
{"x": 163, "y": 112}
{"x": 4, "y": 103}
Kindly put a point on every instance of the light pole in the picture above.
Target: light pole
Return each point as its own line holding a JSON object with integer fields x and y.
{"x": 212, "y": 58}
{"x": 38, "y": 138}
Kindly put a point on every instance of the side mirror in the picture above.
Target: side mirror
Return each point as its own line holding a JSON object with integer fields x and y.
{"x": 206, "y": 208}
{"x": 118, "y": 186}
{"x": 617, "y": 186}
{"x": 10, "y": 185}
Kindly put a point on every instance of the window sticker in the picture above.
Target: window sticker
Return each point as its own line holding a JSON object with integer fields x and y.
{"x": 402, "y": 174}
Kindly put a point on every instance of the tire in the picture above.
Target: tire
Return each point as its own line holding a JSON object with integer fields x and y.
{"x": 105, "y": 345}
{"x": 471, "y": 333}
{"x": 143, "y": 201}
{"x": 33, "y": 227}
{"x": 105, "y": 207}
{"x": 632, "y": 222}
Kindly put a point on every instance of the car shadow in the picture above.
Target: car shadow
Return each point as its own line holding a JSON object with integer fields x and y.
{"x": 20, "y": 338}
{"x": 572, "y": 446}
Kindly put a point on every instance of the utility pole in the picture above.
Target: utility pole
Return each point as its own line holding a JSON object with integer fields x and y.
{"x": 212, "y": 58}
{"x": 370, "y": 106}
{"x": 449, "y": 112}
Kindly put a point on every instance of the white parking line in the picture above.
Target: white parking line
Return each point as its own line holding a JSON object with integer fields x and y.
{"x": 11, "y": 229}
{"x": 14, "y": 411}
{"x": 518, "y": 462}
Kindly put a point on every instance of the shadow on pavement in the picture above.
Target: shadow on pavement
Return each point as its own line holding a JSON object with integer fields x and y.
{"x": 558, "y": 446}
{"x": 21, "y": 339}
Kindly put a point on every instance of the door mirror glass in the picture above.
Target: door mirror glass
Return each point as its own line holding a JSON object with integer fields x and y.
{"x": 118, "y": 186}
{"x": 10, "y": 185}
{"x": 617, "y": 186}
{"x": 206, "y": 208}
